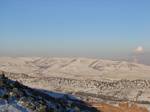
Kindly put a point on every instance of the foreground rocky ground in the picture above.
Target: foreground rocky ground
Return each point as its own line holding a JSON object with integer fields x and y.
{"x": 15, "y": 97}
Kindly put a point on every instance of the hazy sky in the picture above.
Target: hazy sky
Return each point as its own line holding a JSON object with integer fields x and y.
{"x": 100, "y": 28}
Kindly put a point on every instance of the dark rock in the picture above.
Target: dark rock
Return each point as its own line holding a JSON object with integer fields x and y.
{"x": 35, "y": 100}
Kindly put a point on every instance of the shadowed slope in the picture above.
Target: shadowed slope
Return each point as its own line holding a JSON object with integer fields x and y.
{"x": 15, "y": 97}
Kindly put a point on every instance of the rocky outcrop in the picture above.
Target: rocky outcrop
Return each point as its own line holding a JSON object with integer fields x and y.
{"x": 121, "y": 90}
{"x": 15, "y": 97}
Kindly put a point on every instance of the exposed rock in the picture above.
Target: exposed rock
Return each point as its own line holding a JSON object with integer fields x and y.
{"x": 15, "y": 97}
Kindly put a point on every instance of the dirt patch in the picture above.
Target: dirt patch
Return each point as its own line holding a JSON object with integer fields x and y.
{"x": 122, "y": 107}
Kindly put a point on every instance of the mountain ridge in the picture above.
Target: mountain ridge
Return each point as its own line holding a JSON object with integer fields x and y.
{"x": 78, "y": 68}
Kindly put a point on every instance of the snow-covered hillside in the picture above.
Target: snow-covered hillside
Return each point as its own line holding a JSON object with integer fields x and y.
{"x": 15, "y": 97}
{"x": 77, "y": 68}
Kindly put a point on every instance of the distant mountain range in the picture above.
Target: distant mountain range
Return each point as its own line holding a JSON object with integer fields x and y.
{"x": 76, "y": 68}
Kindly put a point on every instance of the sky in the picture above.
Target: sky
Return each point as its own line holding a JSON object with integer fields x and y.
{"x": 84, "y": 28}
